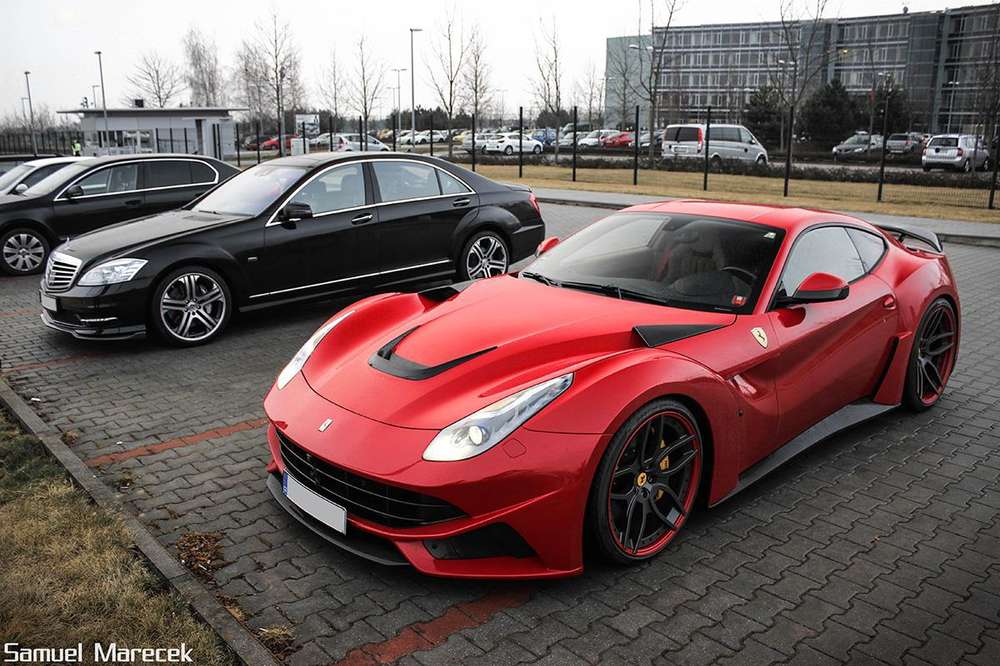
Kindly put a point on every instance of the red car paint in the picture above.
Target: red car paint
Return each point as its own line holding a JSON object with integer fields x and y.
{"x": 622, "y": 140}
{"x": 750, "y": 397}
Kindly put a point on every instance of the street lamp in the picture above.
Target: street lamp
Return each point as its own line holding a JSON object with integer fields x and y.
{"x": 399, "y": 89}
{"x": 413, "y": 95}
{"x": 31, "y": 115}
{"x": 951, "y": 102}
{"x": 93, "y": 93}
{"x": 104, "y": 98}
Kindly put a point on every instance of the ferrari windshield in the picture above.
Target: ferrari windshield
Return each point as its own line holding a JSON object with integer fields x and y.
{"x": 685, "y": 261}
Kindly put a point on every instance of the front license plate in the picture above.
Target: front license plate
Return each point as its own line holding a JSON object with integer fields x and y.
{"x": 50, "y": 303}
{"x": 330, "y": 514}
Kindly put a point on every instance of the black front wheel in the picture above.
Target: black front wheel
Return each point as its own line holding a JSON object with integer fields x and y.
{"x": 932, "y": 358}
{"x": 190, "y": 306}
{"x": 23, "y": 251}
{"x": 646, "y": 484}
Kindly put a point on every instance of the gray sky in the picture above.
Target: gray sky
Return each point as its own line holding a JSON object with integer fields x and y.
{"x": 55, "y": 39}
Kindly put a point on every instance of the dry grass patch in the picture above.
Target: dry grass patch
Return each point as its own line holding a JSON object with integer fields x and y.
{"x": 913, "y": 200}
{"x": 69, "y": 575}
{"x": 279, "y": 640}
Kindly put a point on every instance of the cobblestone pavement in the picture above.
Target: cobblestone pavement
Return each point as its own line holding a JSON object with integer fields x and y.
{"x": 881, "y": 545}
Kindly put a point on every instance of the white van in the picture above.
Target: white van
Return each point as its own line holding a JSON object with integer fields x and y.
{"x": 725, "y": 142}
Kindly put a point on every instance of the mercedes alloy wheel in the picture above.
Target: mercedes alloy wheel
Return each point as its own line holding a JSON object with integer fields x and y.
{"x": 485, "y": 256}
{"x": 23, "y": 251}
{"x": 191, "y": 306}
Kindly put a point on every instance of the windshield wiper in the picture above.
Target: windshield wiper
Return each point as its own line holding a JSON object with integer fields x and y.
{"x": 622, "y": 293}
{"x": 539, "y": 277}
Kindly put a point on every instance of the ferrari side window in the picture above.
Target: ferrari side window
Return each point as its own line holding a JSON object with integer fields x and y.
{"x": 823, "y": 250}
{"x": 870, "y": 247}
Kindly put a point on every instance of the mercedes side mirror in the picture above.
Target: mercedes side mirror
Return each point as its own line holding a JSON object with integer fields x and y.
{"x": 546, "y": 245}
{"x": 74, "y": 192}
{"x": 818, "y": 288}
{"x": 294, "y": 211}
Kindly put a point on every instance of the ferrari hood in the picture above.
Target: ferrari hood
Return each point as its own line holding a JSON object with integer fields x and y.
{"x": 430, "y": 366}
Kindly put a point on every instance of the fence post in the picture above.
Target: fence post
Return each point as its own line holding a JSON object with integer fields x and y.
{"x": 430, "y": 136}
{"x": 305, "y": 146}
{"x": 708, "y": 135}
{"x": 473, "y": 141}
{"x": 885, "y": 140}
{"x": 575, "y": 134}
{"x": 329, "y": 131}
{"x": 236, "y": 128}
{"x": 395, "y": 129}
{"x": 995, "y": 158}
{"x": 185, "y": 141}
{"x": 635, "y": 147}
{"x": 520, "y": 142}
{"x": 788, "y": 150}
{"x": 258, "y": 141}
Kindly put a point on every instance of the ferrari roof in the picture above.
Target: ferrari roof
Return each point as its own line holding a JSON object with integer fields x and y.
{"x": 783, "y": 217}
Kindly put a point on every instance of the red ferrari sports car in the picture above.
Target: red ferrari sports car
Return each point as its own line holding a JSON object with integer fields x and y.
{"x": 669, "y": 351}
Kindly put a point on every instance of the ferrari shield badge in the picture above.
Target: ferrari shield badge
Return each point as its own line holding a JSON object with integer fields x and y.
{"x": 760, "y": 336}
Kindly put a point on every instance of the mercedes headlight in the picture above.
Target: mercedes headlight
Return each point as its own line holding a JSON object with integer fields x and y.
{"x": 112, "y": 272}
{"x": 303, "y": 354}
{"x": 486, "y": 428}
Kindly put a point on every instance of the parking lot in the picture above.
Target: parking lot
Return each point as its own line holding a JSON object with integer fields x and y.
{"x": 880, "y": 545}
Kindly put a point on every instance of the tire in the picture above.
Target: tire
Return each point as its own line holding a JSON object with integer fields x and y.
{"x": 509, "y": 150}
{"x": 761, "y": 160}
{"x": 927, "y": 169}
{"x": 967, "y": 166}
{"x": 932, "y": 357}
{"x": 200, "y": 306}
{"x": 23, "y": 251}
{"x": 485, "y": 255}
{"x": 661, "y": 490}
{"x": 716, "y": 162}
{"x": 536, "y": 150}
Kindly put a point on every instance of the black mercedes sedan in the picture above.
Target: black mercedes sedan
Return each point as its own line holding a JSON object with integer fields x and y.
{"x": 93, "y": 193}
{"x": 290, "y": 229}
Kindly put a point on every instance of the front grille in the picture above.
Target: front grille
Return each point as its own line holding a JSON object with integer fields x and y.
{"x": 61, "y": 271}
{"x": 363, "y": 497}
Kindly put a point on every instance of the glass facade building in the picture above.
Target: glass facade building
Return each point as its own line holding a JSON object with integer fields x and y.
{"x": 942, "y": 59}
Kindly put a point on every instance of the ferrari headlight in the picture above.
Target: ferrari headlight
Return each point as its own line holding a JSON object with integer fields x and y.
{"x": 486, "y": 428}
{"x": 112, "y": 272}
{"x": 304, "y": 352}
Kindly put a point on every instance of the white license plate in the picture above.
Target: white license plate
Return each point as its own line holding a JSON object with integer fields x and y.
{"x": 330, "y": 514}
{"x": 681, "y": 149}
{"x": 49, "y": 303}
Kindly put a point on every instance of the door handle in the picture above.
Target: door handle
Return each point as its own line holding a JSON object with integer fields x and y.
{"x": 460, "y": 202}
{"x": 889, "y": 302}
{"x": 361, "y": 219}
{"x": 133, "y": 202}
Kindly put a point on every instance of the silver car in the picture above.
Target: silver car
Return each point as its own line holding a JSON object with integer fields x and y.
{"x": 481, "y": 141}
{"x": 725, "y": 142}
{"x": 961, "y": 152}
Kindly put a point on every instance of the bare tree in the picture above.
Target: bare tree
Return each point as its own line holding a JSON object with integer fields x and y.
{"x": 651, "y": 61}
{"x": 203, "y": 73}
{"x": 156, "y": 79}
{"x": 330, "y": 82}
{"x": 280, "y": 67}
{"x": 590, "y": 92}
{"x": 250, "y": 81}
{"x": 366, "y": 86}
{"x": 548, "y": 76}
{"x": 476, "y": 79}
{"x": 450, "y": 51}
{"x": 621, "y": 69}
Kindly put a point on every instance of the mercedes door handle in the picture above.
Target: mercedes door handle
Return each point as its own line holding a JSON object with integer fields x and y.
{"x": 460, "y": 202}
{"x": 131, "y": 203}
{"x": 361, "y": 219}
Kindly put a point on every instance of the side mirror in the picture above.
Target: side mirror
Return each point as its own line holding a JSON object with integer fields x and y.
{"x": 74, "y": 192}
{"x": 546, "y": 245}
{"x": 295, "y": 211}
{"x": 21, "y": 188}
{"x": 818, "y": 288}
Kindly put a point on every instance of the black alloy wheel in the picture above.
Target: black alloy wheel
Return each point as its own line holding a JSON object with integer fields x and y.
{"x": 932, "y": 359}
{"x": 646, "y": 483}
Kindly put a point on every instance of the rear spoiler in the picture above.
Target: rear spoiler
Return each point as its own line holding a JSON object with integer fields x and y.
{"x": 922, "y": 235}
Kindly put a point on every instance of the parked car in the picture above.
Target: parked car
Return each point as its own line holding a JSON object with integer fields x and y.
{"x": 26, "y": 174}
{"x": 96, "y": 192}
{"x": 644, "y": 140}
{"x": 481, "y": 141}
{"x": 508, "y": 144}
{"x": 347, "y": 142}
{"x": 857, "y": 146}
{"x": 8, "y": 162}
{"x": 425, "y": 137}
{"x": 582, "y": 128}
{"x": 904, "y": 144}
{"x": 670, "y": 353}
{"x": 960, "y": 152}
{"x": 594, "y": 138}
{"x": 289, "y": 229}
{"x": 566, "y": 140}
{"x": 272, "y": 143}
{"x": 546, "y": 135}
{"x": 620, "y": 140}
{"x": 725, "y": 142}
{"x": 609, "y": 136}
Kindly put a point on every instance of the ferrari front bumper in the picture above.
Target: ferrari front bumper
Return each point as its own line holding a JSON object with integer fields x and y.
{"x": 518, "y": 508}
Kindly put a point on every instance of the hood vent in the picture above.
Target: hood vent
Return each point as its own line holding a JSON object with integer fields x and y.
{"x": 660, "y": 334}
{"x": 386, "y": 360}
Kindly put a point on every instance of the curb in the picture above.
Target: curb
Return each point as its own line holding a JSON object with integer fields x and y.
{"x": 960, "y": 239}
{"x": 243, "y": 644}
